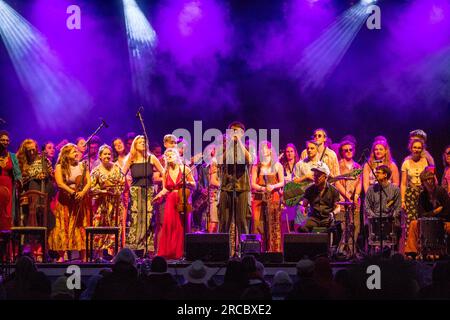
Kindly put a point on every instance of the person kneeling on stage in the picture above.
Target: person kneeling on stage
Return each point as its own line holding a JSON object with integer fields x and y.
{"x": 433, "y": 202}
{"x": 321, "y": 198}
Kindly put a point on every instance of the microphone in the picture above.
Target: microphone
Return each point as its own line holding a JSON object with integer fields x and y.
{"x": 138, "y": 113}
{"x": 104, "y": 124}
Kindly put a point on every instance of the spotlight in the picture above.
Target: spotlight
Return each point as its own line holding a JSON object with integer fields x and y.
{"x": 54, "y": 95}
{"x": 142, "y": 41}
{"x": 367, "y": 2}
{"x": 322, "y": 56}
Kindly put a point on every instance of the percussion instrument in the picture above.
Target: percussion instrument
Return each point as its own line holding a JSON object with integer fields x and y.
{"x": 431, "y": 236}
{"x": 388, "y": 225}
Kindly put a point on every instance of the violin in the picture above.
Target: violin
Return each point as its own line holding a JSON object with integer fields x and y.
{"x": 180, "y": 205}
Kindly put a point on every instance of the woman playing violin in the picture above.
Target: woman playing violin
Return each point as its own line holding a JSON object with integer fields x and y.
{"x": 72, "y": 203}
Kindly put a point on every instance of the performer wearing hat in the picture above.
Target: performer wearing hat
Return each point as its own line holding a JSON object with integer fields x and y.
{"x": 433, "y": 202}
{"x": 321, "y": 198}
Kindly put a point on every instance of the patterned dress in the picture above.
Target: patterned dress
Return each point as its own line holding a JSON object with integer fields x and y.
{"x": 266, "y": 208}
{"x": 71, "y": 216}
{"x": 413, "y": 188}
{"x": 107, "y": 189}
{"x": 138, "y": 227}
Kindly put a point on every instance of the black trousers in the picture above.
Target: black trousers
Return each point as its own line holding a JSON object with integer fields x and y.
{"x": 242, "y": 208}
{"x": 312, "y": 222}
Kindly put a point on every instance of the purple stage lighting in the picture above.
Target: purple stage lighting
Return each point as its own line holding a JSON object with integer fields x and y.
{"x": 54, "y": 95}
{"x": 321, "y": 58}
{"x": 142, "y": 42}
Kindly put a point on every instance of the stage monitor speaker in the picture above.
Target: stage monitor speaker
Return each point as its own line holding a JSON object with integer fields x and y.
{"x": 300, "y": 245}
{"x": 208, "y": 247}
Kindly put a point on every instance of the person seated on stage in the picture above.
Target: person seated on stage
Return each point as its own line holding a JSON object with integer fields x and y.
{"x": 321, "y": 198}
{"x": 390, "y": 199}
{"x": 433, "y": 202}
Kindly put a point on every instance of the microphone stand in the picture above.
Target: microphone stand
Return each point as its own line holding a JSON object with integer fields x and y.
{"x": 380, "y": 217}
{"x": 88, "y": 143}
{"x": 141, "y": 120}
{"x": 233, "y": 205}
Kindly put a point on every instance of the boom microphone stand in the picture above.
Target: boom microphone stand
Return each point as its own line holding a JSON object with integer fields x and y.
{"x": 88, "y": 143}
{"x": 141, "y": 120}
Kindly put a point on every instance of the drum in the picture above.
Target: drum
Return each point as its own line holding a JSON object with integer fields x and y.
{"x": 431, "y": 235}
{"x": 388, "y": 231}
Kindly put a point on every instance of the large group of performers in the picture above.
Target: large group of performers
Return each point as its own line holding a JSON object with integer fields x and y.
{"x": 156, "y": 195}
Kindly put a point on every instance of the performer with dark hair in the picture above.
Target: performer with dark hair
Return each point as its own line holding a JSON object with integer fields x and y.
{"x": 288, "y": 161}
{"x": 10, "y": 175}
{"x": 390, "y": 205}
{"x": 119, "y": 153}
{"x": 50, "y": 151}
{"x": 433, "y": 201}
{"x": 81, "y": 147}
{"x": 320, "y": 199}
{"x": 234, "y": 156}
{"x": 349, "y": 189}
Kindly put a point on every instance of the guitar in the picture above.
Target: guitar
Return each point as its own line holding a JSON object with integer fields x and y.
{"x": 293, "y": 191}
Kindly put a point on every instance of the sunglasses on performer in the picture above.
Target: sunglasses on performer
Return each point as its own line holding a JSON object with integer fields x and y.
{"x": 318, "y": 135}
{"x": 448, "y": 153}
{"x": 347, "y": 150}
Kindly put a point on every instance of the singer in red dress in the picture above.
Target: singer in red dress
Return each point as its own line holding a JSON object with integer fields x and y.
{"x": 171, "y": 243}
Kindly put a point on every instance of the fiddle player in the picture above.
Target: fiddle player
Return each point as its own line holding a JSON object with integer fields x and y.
{"x": 433, "y": 202}
{"x": 72, "y": 203}
{"x": 171, "y": 242}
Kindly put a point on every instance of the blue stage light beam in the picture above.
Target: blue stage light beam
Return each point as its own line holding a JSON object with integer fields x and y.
{"x": 142, "y": 42}
{"x": 320, "y": 58}
{"x": 54, "y": 95}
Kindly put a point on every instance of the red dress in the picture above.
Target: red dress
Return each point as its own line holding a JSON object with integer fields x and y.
{"x": 171, "y": 243}
{"x": 6, "y": 193}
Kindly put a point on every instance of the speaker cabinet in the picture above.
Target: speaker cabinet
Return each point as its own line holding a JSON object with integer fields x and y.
{"x": 208, "y": 247}
{"x": 300, "y": 245}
